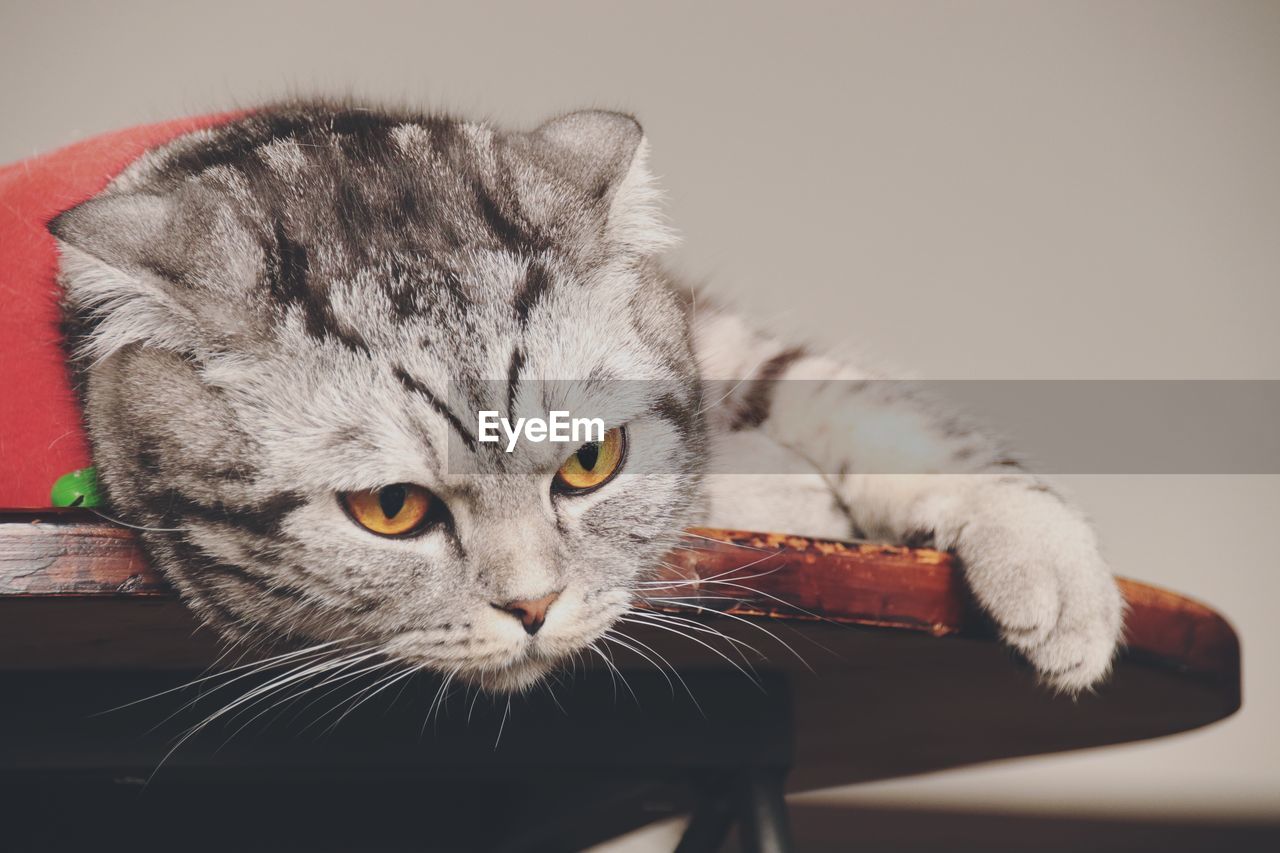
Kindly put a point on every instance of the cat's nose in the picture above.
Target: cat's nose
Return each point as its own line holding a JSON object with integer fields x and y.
{"x": 531, "y": 612}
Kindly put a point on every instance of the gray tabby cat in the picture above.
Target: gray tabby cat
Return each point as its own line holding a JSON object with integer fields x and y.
{"x": 268, "y": 318}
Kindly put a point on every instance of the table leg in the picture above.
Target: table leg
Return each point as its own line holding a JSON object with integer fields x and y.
{"x": 763, "y": 811}
{"x": 708, "y": 825}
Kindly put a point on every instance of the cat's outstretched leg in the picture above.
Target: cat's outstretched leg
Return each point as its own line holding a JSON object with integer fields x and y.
{"x": 901, "y": 468}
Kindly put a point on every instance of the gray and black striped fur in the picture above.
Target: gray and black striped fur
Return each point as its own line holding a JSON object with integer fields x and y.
{"x": 283, "y": 308}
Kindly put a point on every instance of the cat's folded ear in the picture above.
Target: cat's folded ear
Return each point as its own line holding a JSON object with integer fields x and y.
{"x": 115, "y": 228}
{"x": 124, "y": 263}
{"x": 605, "y": 154}
{"x": 592, "y": 148}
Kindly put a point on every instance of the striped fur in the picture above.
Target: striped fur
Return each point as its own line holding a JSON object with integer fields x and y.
{"x": 315, "y": 298}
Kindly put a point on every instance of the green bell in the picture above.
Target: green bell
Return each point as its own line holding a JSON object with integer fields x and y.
{"x": 79, "y": 488}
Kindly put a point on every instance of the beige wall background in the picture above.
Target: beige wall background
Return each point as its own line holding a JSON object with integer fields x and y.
{"x": 971, "y": 190}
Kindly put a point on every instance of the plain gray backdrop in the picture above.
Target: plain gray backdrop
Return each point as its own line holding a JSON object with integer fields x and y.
{"x": 970, "y": 190}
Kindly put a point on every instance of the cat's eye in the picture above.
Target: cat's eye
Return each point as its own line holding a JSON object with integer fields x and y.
{"x": 593, "y": 464}
{"x": 397, "y": 510}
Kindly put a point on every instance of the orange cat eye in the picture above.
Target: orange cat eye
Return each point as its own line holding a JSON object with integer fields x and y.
{"x": 593, "y": 464}
{"x": 397, "y": 510}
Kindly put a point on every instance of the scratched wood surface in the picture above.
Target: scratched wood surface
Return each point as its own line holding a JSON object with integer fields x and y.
{"x": 891, "y": 668}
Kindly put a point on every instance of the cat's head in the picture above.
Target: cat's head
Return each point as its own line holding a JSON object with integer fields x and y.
{"x": 285, "y": 327}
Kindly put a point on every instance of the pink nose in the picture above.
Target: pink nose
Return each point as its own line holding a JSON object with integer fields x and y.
{"x": 531, "y": 613}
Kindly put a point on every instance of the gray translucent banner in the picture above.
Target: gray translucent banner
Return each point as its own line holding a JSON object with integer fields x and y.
{"x": 886, "y": 426}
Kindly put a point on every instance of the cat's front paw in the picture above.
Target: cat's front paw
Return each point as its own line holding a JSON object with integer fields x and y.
{"x": 1037, "y": 571}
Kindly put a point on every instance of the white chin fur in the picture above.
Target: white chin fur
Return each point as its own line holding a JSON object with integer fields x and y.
{"x": 513, "y": 678}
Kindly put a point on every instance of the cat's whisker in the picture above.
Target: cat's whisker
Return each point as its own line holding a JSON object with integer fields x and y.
{"x": 674, "y": 671}
{"x": 285, "y": 701}
{"x": 619, "y": 637}
{"x": 256, "y": 666}
{"x": 681, "y": 547}
{"x": 745, "y": 621}
{"x": 302, "y": 671}
{"x": 403, "y": 686}
{"x": 730, "y": 571}
{"x": 787, "y": 604}
{"x": 625, "y": 682}
{"x": 611, "y": 637}
{"x": 656, "y": 586}
{"x": 614, "y": 673}
{"x": 227, "y": 649}
{"x": 368, "y": 693}
{"x": 503, "y": 725}
{"x": 645, "y": 587}
{"x": 612, "y": 677}
{"x": 472, "y": 707}
{"x": 333, "y": 678}
{"x": 697, "y": 581}
{"x": 448, "y": 686}
{"x": 738, "y": 647}
{"x": 322, "y": 669}
{"x": 109, "y": 518}
{"x": 650, "y": 616}
{"x": 442, "y": 695}
{"x": 340, "y": 682}
{"x": 768, "y": 556}
{"x": 751, "y": 676}
{"x": 546, "y": 685}
{"x": 680, "y": 601}
{"x": 646, "y": 596}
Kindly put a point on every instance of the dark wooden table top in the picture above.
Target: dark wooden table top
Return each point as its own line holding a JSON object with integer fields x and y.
{"x": 891, "y": 670}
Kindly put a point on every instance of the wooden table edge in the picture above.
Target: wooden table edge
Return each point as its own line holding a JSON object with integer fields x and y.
{"x": 63, "y": 555}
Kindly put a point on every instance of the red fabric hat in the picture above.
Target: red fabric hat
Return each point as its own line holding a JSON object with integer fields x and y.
{"x": 41, "y": 436}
